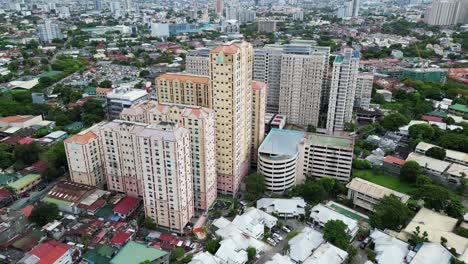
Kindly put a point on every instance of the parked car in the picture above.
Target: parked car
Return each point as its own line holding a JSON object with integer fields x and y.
{"x": 365, "y": 242}
{"x": 286, "y": 229}
{"x": 271, "y": 241}
{"x": 277, "y": 236}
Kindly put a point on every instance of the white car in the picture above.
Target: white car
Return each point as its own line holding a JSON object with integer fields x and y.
{"x": 271, "y": 242}
{"x": 277, "y": 236}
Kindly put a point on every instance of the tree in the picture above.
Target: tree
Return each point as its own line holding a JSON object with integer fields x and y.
{"x": 251, "y": 253}
{"x": 44, "y": 213}
{"x": 421, "y": 131}
{"x": 144, "y": 73}
{"x": 393, "y": 121}
{"x": 435, "y": 197}
{"x": 146, "y": 222}
{"x": 436, "y": 153}
{"x": 106, "y": 84}
{"x": 335, "y": 233}
{"x": 255, "y": 183}
{"x": 350, "y": 126}
{"x": 177, "y": 253}
{"x": 26, "y": 154}
{"x": 311, "y": 129}
{"x": 410, "y": 171}
{"x": 352, "y": 252}
{"x": 384, "y": 215}
{"x": 213, "y": 245}
{"x": 416, "y": 237}
{"x": 448, "y": 120}
{"x": 455, "y": 208}
{"x": 423, "y": 180}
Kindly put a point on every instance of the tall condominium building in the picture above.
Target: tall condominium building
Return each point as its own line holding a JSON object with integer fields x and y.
{"x": 342, "y": 90}
{"x": 153, "y": 162}
{"x": 186, "y": 89}
{"x": 265, "y": 25}
{"x": 259, "y": 90}
{"x": 128, "y": 5}
{"x": 201, "y": 123}
{"x": 98, "y": 4}
{"x": 447, "y": 12}
{"x": 115, "y": 7}
{"x": 219, "y": 7}
{"x": 197, "y": 62}
{"x": 288, "y": 157}
{"x": 121, "y": 98}
{"x": 350, "y": 9}
{"x": 84, "y": 157}
{"x": 48, "y": 31}
{"x": 231, "y": 80}
{"x": 268, "y": 68}
{"x": 363, "y": 94}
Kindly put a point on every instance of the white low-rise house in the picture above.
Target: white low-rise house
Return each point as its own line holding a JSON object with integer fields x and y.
{"x": 231, "y": 252}
{"x": 327, "y": 253}
{"x": 253, "y": 222}
{"x": 451, "y": 155}
{"x": 283, "y": 207}
{"x": 389, "y": 250}
{"x": 430, "y": 165}
{"x": 303, "y": 244}
{"x": 404, "y": 130}
{"x": 321, "y": 214}
{"x": 204, "y": 258}
{"x": 432, "y": 253}
{"x": 280, "y": 259}
{"x": 366, "y": 194}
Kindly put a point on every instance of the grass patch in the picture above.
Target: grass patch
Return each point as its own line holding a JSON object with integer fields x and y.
{"x": 292, "y": 234}
{"x": 389, "y": 181}
{"x": 392, "y": 105}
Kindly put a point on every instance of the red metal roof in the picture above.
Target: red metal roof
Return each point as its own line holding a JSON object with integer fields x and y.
{"x": 25, "y": 140}
{"x": 4, "y": 193}
{"x": 432, "y": 118}
{"x": 49, "y": 252}
{"x": 121, "y": 238}
{"x": 126, "y": 205}
{"x": 27, "y": 210}
{"x": 395, "y": 160}
{"x": 166, "y": 237}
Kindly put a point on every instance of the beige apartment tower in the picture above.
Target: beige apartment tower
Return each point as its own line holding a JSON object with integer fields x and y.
{"x": 201, "y": 123}
{"x": 84, "y": 157}
{"x": 180, "y": 88}
{"x": 259, "y": 91}
{"x": 153, "y": 162}
{"x": 231, "y": 80}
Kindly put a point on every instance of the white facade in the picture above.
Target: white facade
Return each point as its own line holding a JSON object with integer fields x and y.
{"x": 447, "y": 12}
{"x": 363, "y": 90}
{"x": 198, "y": 62}
{"x": 342, "y": 90}
{"x": 159, "y": 30}
{"x": 49, "y": 31}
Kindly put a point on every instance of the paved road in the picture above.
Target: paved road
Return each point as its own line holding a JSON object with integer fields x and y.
{"x": 361, "y": 256}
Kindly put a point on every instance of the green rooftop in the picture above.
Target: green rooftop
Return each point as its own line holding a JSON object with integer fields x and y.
{"x": 105, "y": 211}
{"x": 6, "y": 178}
{"x": 339, "y": 58}
{"x": 56, "y": 201}
{"x": 437, "y": 113}
{"x": 330, "y": 141}
{"x": 460, "y": 108}
{"x": 134, "y": 252}
{"x": 49, "y": 74}
{"x": 24, "y": 181}
{"x": 100, "y": 255}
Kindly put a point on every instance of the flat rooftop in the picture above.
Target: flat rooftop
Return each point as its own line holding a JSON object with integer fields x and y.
{"x": 282, "y": 142}
{"x": 331, "y": 141}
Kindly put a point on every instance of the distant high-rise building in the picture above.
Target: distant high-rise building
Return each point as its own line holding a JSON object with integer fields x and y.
{"x": 350, "y": 9}
{"x": 363, "y": 90}
{"x": 232, "y": 12}
{"x": 296, "y": 77}
{"x": 246, "y": 16}
{"x": 197, "y": 62}
{"x": 128, "y": 5}
{"x": 115, "y": 7}
{"x": 98, "y": 4}
{"x": 231, "y": 80}
{"x": 64, "y": 12}
{"x": 201, "y": 123}
{"x": 447, "y": 12}
{"x": 48, "y": 31}
{"x": 160, "y": 30}
{"x": 219, "y": 7}
{"x": 342, "y": 90}
{"x": 268, "y": 26}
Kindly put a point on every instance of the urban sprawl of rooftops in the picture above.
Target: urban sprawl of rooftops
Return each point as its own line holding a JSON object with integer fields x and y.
{"x": 233, "y": 132}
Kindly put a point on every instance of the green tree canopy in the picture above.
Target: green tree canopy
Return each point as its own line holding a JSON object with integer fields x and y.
{"x": 106, "y": 84}
{"x": 44, "y": 213}
{"x": 251, "y": 253}
{"x": 410, "y": 171}
{"x": 393, "y": 121}
{"x": 213, "y": 245}
{"x": 385, "y": 215}
{"x": 421, "y": 131}
{"x": 436, "y": 153}
{"x": 255, "y": 183}
{"x": 335, "y": 233}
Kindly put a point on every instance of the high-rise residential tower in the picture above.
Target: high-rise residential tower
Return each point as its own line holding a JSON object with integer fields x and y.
{"x": 153, "y": 162}
{"x": 197, "y": 62}
{"x": 181, "y": 88}
{"x": 219, "y": 7}
{"x": 342, "y": 90}
{"x": 201, "y": 123}
{"x": 48, "y": 31}
{"x": 363, "y": 94}
{"x": 231, "y": 80}
{"x": 447, "y": 12}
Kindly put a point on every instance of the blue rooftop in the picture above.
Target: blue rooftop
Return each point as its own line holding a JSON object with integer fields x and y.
{"x": 282, "y": 142}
